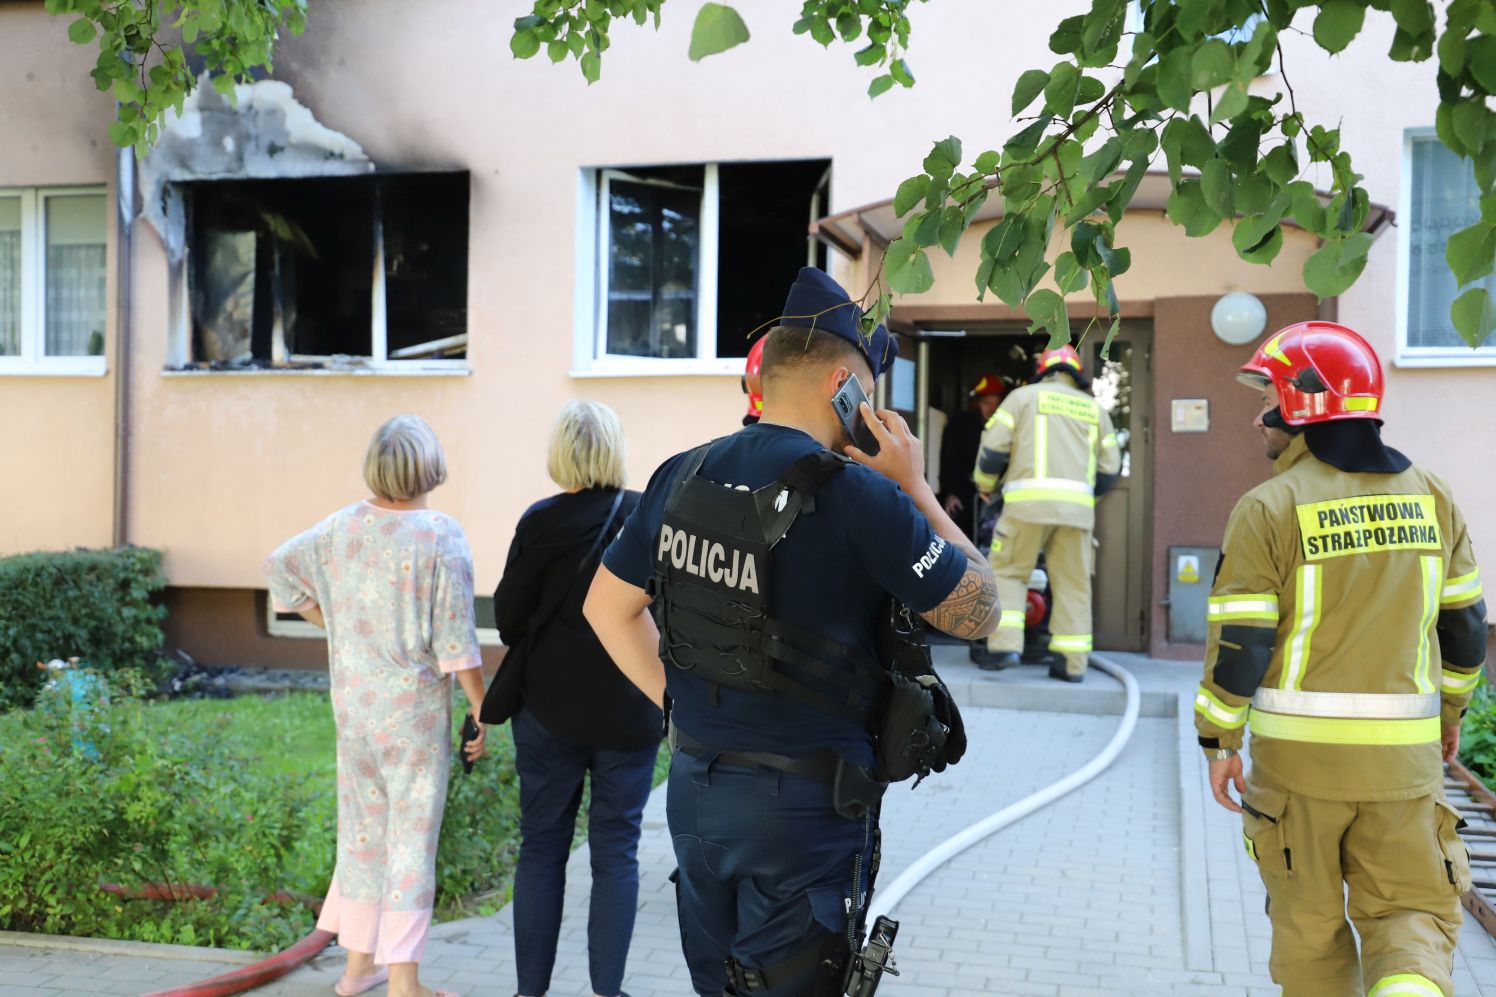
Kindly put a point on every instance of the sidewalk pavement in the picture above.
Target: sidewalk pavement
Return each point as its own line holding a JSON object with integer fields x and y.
{"x": 1134, "y": 884}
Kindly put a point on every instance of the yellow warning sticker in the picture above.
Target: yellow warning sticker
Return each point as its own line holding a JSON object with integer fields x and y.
{"x": 1189, "y": 569}
{"x": 1070, "y": 406}
{"x": 1368, "y": 524}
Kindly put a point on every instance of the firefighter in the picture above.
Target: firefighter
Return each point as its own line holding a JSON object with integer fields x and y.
{"x": 959, "y": 444}
{"x": 1346, "y": 619}
{"x": 1053, "y": 447}
{"x": 753, "y": 382}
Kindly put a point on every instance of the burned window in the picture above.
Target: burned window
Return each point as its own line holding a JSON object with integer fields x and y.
{"x": 692, "y": 259}
{"x": 330, "y": 271}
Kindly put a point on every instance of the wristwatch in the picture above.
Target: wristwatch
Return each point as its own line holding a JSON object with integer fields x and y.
{"x": 1220, "y": 754}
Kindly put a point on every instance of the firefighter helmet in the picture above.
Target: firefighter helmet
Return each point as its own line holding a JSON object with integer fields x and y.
{"x": 753, "y": 380}
{"x": 988, "y": 384}
{"x": 1064, "y": 356}
{"x": 1321, "y": 372}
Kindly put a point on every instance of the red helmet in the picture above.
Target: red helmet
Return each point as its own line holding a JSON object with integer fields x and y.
{"x": 989, "y": 384}
{"x": 1065, "y": 355}
{"x": 752, "y": 379}
{"x": 1321, "y": 371}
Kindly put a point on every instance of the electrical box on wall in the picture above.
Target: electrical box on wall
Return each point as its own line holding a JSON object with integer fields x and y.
{"x": 1190, "y": 415}
{"x": 1191, "y": 574}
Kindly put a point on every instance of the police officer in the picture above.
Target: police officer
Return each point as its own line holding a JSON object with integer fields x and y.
{"x": 1053, "y": 447}
{"x": 1347, "y": 618}
{"x": 768, "y": 561}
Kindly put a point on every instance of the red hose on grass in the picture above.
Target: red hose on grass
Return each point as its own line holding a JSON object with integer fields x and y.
{"x": 257, "y": 974}
{"x": 246, "y": 977}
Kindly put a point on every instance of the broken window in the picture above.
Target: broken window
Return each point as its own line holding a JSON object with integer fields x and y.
{"x": 693, "y": 259}
{"x": 328, "y": 271}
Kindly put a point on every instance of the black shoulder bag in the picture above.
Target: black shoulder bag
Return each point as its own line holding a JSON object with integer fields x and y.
{"x": 502, "y": 700}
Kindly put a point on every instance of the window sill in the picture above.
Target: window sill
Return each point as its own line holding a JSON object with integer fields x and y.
{"x": 644, "y": 367}
{"x": 304, "y": 630}
{"x": 54, "y": 367}
{"x": 415, "y": 370}
{"x": 1457, "y": 357}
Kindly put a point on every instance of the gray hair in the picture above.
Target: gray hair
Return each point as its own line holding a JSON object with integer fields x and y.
{"x": 587, "y": 448}
{"x": 405, "y": 459}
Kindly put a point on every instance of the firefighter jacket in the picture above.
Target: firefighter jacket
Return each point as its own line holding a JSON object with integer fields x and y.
{"x": 1346, "y": 627}
{"x": 1047, "y": 443}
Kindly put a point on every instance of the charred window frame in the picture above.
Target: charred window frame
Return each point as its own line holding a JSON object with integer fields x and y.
{"x": 677, "y": 265}
{"x": 342, "y": 273}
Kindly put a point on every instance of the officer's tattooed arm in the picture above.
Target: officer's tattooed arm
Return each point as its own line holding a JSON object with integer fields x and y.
{"x": 971, "y": 609}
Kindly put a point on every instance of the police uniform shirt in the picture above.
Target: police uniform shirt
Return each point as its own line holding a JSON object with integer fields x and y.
{"x": 831, "y": 574}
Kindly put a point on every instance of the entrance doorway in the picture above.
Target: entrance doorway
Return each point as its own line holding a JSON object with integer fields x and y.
{"x": 929, "y": 386}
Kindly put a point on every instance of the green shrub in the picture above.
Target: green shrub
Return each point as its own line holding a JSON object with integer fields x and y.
{"x": 1478, "y": 736}
{"x": 91, "y": 604}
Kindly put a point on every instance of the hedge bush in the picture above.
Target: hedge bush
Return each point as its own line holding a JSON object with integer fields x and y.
{"x": 92, "y": 604}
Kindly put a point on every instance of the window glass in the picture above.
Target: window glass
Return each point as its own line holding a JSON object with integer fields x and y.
{"x": 10, "y": 276}
{"x": 1444, "y": 199}
{"x": 652, "y": 256}
{"x": 74, "y": 275}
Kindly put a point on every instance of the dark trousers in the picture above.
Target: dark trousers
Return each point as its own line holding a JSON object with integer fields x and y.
{"x": 767, "y": 867}
{"x": 551, "y": 770}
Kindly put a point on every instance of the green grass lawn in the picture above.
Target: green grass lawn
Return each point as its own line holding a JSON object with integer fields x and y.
{"x": 239, "y": 794}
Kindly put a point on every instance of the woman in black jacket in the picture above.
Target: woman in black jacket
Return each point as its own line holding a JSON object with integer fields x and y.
{"x": 573, "y": 711}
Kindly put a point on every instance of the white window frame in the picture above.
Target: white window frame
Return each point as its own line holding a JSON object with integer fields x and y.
{"x": 33, "y": 359}
{"x": 306, "y": 630}
{"x": 1422, "y": 356}
{"x": 590, "y": 332}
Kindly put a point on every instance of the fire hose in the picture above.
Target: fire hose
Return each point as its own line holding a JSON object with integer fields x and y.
{"x": 245, "y": 977}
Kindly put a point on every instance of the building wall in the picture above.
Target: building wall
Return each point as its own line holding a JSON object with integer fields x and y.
{"x": 58, "y": 444}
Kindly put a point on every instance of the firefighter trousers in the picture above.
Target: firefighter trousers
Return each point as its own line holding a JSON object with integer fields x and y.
{"x": 1067, "y": 557}
{"x": 1396, "y": 868}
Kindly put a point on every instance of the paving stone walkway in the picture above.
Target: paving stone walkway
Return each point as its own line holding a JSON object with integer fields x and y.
{"x": 1134, "y": 884}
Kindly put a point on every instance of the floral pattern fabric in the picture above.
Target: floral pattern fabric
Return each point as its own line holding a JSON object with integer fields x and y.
{"x": 395, "y": 588}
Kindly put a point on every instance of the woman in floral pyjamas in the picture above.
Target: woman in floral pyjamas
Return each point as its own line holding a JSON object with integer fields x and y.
{"x": 392, "y": 582}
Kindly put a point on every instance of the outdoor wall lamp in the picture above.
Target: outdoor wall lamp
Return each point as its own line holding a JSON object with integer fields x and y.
{"x": 1238, "y": 318}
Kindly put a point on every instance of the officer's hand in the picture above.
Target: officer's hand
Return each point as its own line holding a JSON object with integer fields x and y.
{"x": 1222, "y": 774}
{"x": 953, "y": 505}
{"x": 900, "y": 458}
{"x": 1449, "y": 742}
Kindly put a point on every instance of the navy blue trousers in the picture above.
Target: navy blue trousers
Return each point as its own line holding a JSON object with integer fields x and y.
{"x": 551, "y": 770}
{"x": 766, "y": 868}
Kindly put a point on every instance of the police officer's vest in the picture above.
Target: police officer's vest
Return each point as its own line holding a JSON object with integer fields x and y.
{"x": 712, "y": 593}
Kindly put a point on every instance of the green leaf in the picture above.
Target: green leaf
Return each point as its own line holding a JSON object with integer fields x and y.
{"x": 524, "y": 43}
{"x": 987, "y": 161}
{"x": 952, "y": 226}
{"x": 910, "y": 193}
{"x": 592, "y": 67}
{"x": 1218, "y": 188}
{"x": 1481, "y": 59}
{"x": 123, "y": 135}
{"x": 1280, "y": 165}
{"x": 901, "y": 73}
{"x": 1232, "y": 102}
{"x": 821, "y": 31}
{"x": 1212, "y": 65}
{"x": 224, "y": 84}
{"x": 926, "y": 229}
{"x": 1474, "y": 316}
{"x": 1452, "y": 53}
{"x": 1254, "y": 246}
{"x": 1186, "y": 207}
{"x": 880, "y": 85}
{"x": 1103, "y": 161}
{"x": 1046, "y": 309}
{"x": 127, "y": 91}
{"x": 1485, "y": 166}
{"x": 718, "y": 28}
{"x": 1023, "y": 144}
{"x": 1060, "y": 92}
{"x": 557, "y": 51}
{"x": 908, "y": 268}
{"x": 1068, "y": 274}
{"x": 946, "y": 156}
{"x": 1091, "y": 90}
{"x": 1471, "y": 252}
{"x": 1174, "y": 79}
{"x": 1067, "y": 35}
{"x": 1307, "y": 209}
{"x": 1335, "y": 266}
{"x": 1338, "y": 22}
{"x": 870, "y": 56}
{"x": 1029, "y": 86}
{"x": 848, "y": 25}
{"x": 1471, "y": 118}
{"x": 82, "y": 31}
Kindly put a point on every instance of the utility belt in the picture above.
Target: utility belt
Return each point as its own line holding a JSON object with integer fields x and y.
{"x": 854, "y": 791}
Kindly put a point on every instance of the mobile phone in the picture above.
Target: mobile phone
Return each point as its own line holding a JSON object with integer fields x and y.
{"x": 848, "y": 404}
{"x": 469, "y": 733}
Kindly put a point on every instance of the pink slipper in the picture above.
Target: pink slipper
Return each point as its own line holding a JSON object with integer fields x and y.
{"x": 348, "y": 986}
